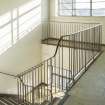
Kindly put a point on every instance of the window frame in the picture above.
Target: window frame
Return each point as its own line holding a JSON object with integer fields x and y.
{"x": 73, "y": 14}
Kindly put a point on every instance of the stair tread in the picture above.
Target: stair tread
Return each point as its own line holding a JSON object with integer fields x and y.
{"x": 8, "y": 100}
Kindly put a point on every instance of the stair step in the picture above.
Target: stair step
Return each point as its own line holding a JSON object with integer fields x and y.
{"x": 55, "y": 101}
{"x": 8, "y": 99}
{"x": 45, "y": 102}
{"x": 2, "y": 102}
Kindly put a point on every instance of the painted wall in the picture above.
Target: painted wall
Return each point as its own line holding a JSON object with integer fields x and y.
{"x": 53, "y": 16}
{"x": 26, "y": 53}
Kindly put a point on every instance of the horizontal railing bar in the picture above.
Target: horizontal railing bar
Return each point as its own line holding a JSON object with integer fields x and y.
{"x": 8, "y": 74}
{"x": 33, "y": 68}
{"x": 60, "y": 68}
{"x": 25, "y": 72}
{"x": 58, "y": 75}
{"x": 56, "y": 21}
{"x": 72, "y": 35}
{"x": 56, "y": 72}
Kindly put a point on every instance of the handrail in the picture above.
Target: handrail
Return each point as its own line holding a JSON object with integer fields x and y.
{"x": 72, "y": 34}
{"x": 31, "y": 69}
{"x": 8, "y": 74}
{"x": 71, "y": 22}
{"x": 47, "y": 73}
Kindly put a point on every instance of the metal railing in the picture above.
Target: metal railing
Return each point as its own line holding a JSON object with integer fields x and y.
{"x": 56, "y": 29}
{"x": 55, "y": 76}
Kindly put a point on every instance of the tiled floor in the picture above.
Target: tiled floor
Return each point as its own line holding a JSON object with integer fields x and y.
{"x": 90, "y": 89}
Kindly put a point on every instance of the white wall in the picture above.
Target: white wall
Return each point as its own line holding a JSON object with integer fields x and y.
{"x": 24, "y": 54}
{"x": 45, "y": 10}
{"x": 53, "y": 15}
{"x": 7, "y": 5}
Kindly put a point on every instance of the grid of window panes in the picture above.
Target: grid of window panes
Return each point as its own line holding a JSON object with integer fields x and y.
{"x": 81, "y": 7}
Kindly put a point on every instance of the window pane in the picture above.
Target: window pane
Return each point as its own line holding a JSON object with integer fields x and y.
{"x": 82, "y": 5}
{"x": 65, "y": 1}
{"x": 65, "y": 12}
{"x": 98, "y": 0}
{"x": 82, "y": 12}
{"x": 85, "y": 1}
{"x": 98, "y": 12}
{"x": 65, "y": 6}
{"x": 98, "y": 5}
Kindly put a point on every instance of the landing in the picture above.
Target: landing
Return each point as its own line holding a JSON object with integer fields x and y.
{"x": 71, "y": 43}
{"x": 90, "y": 89}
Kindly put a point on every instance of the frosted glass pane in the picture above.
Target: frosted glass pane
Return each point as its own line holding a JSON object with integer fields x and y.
{"x": 82, "y": 12}
{"x": 65, "y": 6}
{"x": 82, "y": 1}
{"x": 82, "y": 5}
{"x": 99, "y": 12}
{"x": 65, "y": 1}
{"x": 98, "y": 5}
{"x": 66, "y": 13}
{"x": 98, "y": 0}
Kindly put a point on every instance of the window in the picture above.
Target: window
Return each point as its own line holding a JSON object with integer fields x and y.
{"x": 81, "y": 7}
{"x": 18, "y": 22}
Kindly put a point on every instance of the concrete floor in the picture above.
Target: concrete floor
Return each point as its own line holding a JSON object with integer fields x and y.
{"x": 90, "y": 89}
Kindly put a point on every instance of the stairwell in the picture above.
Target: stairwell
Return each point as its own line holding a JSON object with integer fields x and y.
{"x": 48, "y": 83}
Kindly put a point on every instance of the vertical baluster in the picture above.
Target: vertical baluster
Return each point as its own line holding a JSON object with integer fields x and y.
{"x": 99, "y": 37}
{"x": 23, "y": 88}
{"x": 85, "y": 34}
{"x": 51, "y": 78}
{"x": 30, "y": 83}
{"x": 47, "y": 79}
{"x": 33, "y": 96}
{"x": 27, "y": 88}
{"x": 69, "y": 61}
{"x": 79, "y": 42}
{"x": 73, "y": 58}
{"x": 55, "y": 72}
{"x": 44, "y": 77}
{"x": 76, "y": 51}
{"x": 62, "y": 64}
{"x": 82, "y": 43}
{"x": 18, "y": 88}
{"x": 38, "y": 93}
{"x": 93, "y": 42}
{"x": 41, "y": 82}
{"x": 89, "y": 42}
{"x": 87, "y": 50}
{"x": 59, "y": 66}
{"x": 48, "y": 31}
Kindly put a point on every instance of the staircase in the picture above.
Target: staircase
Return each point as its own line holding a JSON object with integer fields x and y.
{"x": 8, "y": 100}
{"x": 48, "y": 82}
